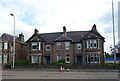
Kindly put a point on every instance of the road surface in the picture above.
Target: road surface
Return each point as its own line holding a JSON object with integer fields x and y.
{"x": 10, "y": 74}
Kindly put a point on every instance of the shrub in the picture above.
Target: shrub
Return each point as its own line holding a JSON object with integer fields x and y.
{"x": 21, "y": 63}
{"x": 61, "y": 61}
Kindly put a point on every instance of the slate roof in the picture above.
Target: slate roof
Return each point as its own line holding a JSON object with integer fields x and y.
{"x": 9, "y": 37}
{"x": 63, "y": 38}
{"x": 75, "y": 36}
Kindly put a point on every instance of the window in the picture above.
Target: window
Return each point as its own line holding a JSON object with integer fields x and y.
{"x": 6, "y": 45}
{"x": 58, "y": 45}
{"x": 93, "y": 43}
{"x": 67, "y": 45}
{"x": 0, "y": 45}
{"x": 59, "y": 57}
{"x": 67, "y": 58}
{"x": 78, "y": 46}
{"x": 5, "y": 58}
{"x": 98, "y": 44}
{"x": 47, "y": 47}
{"x": 36, "y": 46}
{"x": 93, "y": 58}
{"x": 87, "y": 43}
{"x": 0, "y": 58}
{"x": 36, "y": 59}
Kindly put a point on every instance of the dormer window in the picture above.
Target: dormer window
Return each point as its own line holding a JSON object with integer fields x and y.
{"x": 67, "y": 45}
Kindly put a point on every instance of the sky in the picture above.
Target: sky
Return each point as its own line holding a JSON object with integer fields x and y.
{"x": 51, "y": 15}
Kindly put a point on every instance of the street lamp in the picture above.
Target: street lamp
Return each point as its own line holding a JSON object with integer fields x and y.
{"x": 13, "y": 54}
{"x": 113, "y": 32}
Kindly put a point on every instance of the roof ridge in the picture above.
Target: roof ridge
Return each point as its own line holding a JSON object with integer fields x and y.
{"x": 62, "y": 32}
{"x": 63, "y": 36}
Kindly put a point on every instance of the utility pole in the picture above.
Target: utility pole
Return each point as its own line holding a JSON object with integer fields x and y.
{"x": 13, "y": 54}
{"x": 113, "y": 32}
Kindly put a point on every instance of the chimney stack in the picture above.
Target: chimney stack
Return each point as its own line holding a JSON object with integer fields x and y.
{"x": 64, "y": 30}
{"x": 21, "y": 38}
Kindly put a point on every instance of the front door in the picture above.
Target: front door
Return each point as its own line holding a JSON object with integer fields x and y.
{"x": 79, "y": 60}
{"x": 47, "y": 58}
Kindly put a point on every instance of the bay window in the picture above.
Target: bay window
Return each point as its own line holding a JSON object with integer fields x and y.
{"x": 5, "y": 58}
{"x": 36, "y": 59}
{"x": 0, "y": 45}
{"x": 36, "y": 46}
{"x": 5, "y": 45}
{"x": 93, "y": 58}
{"x": 87, "y": 43}
{"x": 92, "y": 43}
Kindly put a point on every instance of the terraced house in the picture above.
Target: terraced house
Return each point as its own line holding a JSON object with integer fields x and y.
{"x": 6, "y": 48}
{"x": 76, "y": 47}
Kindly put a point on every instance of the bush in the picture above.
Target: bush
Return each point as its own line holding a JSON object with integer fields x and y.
{"x": 61, "y": 61}
{"x": 7, "y": 66}
{"x": 21, "y": 63}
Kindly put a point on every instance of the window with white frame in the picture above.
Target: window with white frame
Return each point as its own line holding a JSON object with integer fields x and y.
{"x": 5, "y": 58}
{"x": 59, "y": 57}
{"x": 0, "y": 58}
{"x": 47, "y": 47}
{"x": 93, "y": 58}
{"x": 87, "y": 43}
{"x": 79, "y": 46}
{"x": 67, "y": 45}
{"x": 36, "y": 46}
{"x": 93, "y": 43}
{"x": 58, "y": 45}
{"x": 67, "y": 58}
{"x": 0, "y": 45}
{"x": 5, "y": 45}
{"x": 36, "y": 59}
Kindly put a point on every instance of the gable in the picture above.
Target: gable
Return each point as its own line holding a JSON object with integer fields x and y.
{"x": 93, "y": 35}
{"x": 35, "y": 38}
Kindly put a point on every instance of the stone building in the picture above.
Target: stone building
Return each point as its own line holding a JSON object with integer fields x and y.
{"x": 6, "y": 48}
{"x": 76, "y": 47}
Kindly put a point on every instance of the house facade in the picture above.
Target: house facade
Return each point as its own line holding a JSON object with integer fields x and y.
{"x": 6, "y": 48}
{"x": 76, "y": 47}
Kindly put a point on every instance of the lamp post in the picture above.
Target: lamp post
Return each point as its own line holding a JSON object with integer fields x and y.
{"x": 113, "y": 32}
{"x": 13, "y": 54}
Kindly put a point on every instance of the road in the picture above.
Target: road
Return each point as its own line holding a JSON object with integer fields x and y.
{"x": 37, "y": 74}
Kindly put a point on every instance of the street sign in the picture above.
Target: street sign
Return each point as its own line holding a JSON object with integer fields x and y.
{"x": 114, "y": 52}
